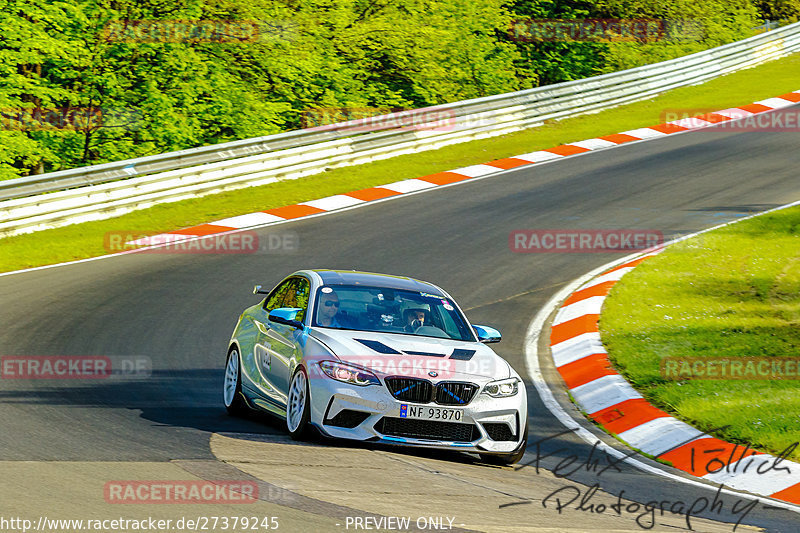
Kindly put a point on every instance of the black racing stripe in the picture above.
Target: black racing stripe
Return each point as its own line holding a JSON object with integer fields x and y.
{"x": 429, "y": 354}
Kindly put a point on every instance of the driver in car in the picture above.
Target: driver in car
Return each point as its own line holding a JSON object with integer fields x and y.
{"x": 415, "y": 319}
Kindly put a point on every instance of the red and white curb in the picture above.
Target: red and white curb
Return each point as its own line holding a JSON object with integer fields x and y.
{"x": 352, "y": 199}
{"x": 612, "y": 402}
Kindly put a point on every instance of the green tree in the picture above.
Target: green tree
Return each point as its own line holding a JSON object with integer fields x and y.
{"x": 779, "y": 9}
{"x": 691, "y": 26}
{"x": 143, "y": 88}
{"x": 29, "y": 38}
{"x": 545, "y": 62}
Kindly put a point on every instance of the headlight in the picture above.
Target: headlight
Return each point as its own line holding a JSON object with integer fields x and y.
{"x": 348, "y": 373}
{"x": 502, "y": 388}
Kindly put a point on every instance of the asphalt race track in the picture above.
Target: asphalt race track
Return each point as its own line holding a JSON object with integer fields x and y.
{"x": 61, "y": 440}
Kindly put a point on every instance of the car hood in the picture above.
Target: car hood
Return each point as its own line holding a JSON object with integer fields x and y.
{"x": 416, "y": 356}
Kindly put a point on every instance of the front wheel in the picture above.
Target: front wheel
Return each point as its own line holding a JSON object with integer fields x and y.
{"x": 298, "y": 406}
{"x": 232, "y": 387}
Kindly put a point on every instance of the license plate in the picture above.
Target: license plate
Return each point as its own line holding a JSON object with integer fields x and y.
{"x": 430, "y": 413}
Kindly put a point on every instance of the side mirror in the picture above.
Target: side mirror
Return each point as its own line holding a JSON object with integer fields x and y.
{"x": 286, "y": 316}
{"x": 487, "y": 335}
{"x": 258, "y": 290}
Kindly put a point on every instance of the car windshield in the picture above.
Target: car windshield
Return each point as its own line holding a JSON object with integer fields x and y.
{"x": 387, "y": 310}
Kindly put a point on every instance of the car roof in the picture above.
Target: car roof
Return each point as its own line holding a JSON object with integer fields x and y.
{"x": 372, "y": 279}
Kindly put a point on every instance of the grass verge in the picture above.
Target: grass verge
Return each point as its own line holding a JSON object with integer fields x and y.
{"x": 86, "y": 240}
{"x": 730, "y": 293}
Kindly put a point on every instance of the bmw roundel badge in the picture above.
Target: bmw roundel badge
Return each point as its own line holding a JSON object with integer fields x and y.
{"x": 433, "y": 374}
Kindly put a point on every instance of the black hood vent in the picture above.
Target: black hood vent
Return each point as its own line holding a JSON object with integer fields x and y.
{"x": 462, "y": 355}
{"x": 378, "y": 346}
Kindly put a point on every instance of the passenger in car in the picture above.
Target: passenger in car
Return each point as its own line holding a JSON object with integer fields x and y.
{"x": 328, "y": 311}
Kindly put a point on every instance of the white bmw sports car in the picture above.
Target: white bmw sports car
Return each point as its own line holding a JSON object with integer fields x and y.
{"x": 374, "y": 357}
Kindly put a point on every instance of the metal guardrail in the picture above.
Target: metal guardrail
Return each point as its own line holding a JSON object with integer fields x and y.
{"x": 102, "y": 191}
{"x": 769, "y": 25}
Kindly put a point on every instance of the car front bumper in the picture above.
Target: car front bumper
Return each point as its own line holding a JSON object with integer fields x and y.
{"x": 371, "y": 413}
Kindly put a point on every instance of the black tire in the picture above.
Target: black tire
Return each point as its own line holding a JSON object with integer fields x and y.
{"x": 507, "y": 459}
{"x": 235, "y": 403}
{"x": 298, "y": 382}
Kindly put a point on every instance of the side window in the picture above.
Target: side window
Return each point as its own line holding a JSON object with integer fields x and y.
{"x": 297, "y": 296}
{"x": 278, "y": 295}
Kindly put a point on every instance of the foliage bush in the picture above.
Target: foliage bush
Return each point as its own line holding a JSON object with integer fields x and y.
{"x": 159, "y": 95}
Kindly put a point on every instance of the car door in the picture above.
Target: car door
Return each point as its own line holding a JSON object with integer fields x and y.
{"x": 285, "y": 346}
{"x": 260, "y": 365}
